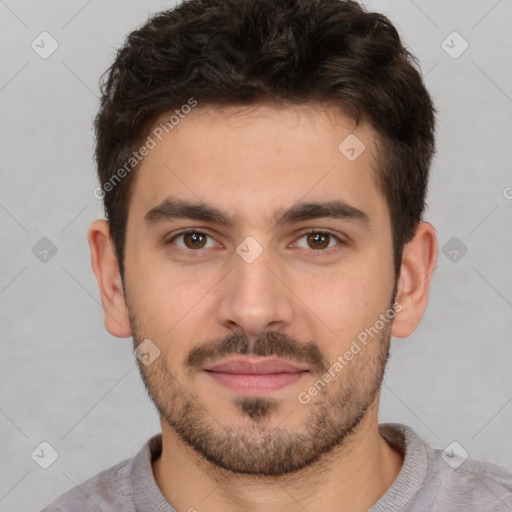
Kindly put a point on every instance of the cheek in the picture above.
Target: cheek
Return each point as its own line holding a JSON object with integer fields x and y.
{"x": 347, "y": 302}
{"x": 167, "y": 301}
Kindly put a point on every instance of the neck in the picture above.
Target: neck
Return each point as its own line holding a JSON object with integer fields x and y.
{"x": 353, "y": 476}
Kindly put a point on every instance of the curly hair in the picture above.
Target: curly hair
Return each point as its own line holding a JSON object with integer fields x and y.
{"x": 248, "y": 52}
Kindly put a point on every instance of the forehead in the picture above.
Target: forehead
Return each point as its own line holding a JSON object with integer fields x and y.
{"x": 251, "y": 162}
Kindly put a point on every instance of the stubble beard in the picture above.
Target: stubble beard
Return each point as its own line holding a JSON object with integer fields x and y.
{"x": 257, "y": 445}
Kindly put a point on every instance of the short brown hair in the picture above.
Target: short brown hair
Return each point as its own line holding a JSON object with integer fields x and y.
{"x": 245, "y": 52}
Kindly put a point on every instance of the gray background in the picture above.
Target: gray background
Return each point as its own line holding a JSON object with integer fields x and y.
{"x": 66, "y": 381}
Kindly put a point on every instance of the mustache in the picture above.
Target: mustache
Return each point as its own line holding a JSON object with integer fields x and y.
{"x": 269, "y": 344}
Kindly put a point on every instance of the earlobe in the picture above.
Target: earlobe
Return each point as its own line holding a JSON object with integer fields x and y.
{"x": 106, "y": 269}
{"x": 419, "y": 260}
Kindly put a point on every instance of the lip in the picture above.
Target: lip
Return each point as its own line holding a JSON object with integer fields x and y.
{"x": 249, "y": 376}
{"x": 252, "y": 366}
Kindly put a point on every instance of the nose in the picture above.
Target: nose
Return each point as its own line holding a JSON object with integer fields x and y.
{"x": 254, "y": 297}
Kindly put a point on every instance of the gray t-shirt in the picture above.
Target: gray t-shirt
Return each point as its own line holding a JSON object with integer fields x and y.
{"x": 426, "y": 482}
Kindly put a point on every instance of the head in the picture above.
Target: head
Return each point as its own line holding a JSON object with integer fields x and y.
{"x": 250, "y": 124}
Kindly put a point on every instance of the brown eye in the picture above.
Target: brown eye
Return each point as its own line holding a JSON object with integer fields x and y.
{"x": 191, "y": 240}
{"x": 194, "y": 240}
{"x": 318, "y": 240}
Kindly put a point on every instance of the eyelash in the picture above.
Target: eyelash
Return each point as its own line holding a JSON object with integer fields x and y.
{"x": 318, "y": 252}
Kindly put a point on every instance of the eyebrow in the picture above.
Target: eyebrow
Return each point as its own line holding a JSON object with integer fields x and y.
{"x": 174, "y": 208}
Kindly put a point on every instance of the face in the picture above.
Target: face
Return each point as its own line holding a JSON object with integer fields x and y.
{"x": 271, "y": 315}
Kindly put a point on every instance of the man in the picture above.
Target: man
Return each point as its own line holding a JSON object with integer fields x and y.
{"x": 263, "y": 166}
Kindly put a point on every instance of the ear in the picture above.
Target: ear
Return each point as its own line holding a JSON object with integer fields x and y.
{"x": 105, "y": 266}
{"x": 419, "y": 260}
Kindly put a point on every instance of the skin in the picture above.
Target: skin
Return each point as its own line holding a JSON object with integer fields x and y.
{"x": 222, "y": 449}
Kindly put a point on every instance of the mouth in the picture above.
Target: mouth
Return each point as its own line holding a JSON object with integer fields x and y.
{"x": 255, "y": 376}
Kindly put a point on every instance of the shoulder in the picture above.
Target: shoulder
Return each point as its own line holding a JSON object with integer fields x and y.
{"x": 109, "y": 490}
{"x": 478, "y": 484}
{"x": 440, "y": 480}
